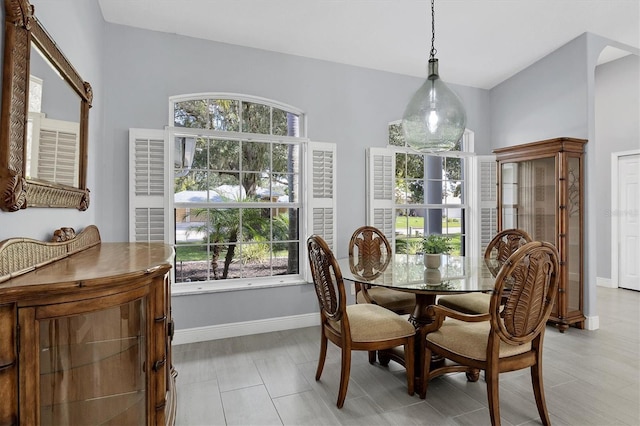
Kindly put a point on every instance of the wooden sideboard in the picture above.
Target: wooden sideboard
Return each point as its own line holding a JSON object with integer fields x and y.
{"x": 85, "y": 332}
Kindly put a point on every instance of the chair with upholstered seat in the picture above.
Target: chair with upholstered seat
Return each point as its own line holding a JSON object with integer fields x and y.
{"x": 359, "y": 327}
{"x": 506, "y": 338}
{"x": 371, "y": 252}
{"x": 497, "y": 252}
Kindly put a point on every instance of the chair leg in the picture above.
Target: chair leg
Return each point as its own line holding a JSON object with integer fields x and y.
{"x": 372, "y": 357}
{"x": 323, "y": 355}
{"x": 493, "y": 395}
{"x": 538, "y": 391}
{"x": 473, "y": 374}
{"x": 426, "y": 368}
{"x": 345, "y": 370}
{"x": 409, "y": 355}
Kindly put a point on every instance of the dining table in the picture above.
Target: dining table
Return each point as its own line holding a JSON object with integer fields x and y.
{"x": 408, "y": 273}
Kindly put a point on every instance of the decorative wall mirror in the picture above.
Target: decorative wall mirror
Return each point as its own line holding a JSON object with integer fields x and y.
{"x": 44, "y": 119}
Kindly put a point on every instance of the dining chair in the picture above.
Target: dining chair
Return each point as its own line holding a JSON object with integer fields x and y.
{"x": 358, "y": 327}
{"x": 371, "y": 252}
{"x": 497, "y": 252}
{"x": 504, "y": 339}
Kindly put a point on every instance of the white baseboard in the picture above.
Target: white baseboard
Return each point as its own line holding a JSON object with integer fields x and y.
{"x": 592, "y": 323}
{"x": 605, "y": 282}
{"x": 222, "y": 331}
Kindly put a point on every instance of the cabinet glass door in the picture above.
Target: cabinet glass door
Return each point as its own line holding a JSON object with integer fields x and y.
{"x": 574, "y": 234}
{"x": 92, "y": 367}
{"x": 529, "y": 198}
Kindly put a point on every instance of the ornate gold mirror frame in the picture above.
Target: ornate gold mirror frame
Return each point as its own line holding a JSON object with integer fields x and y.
{"x": 17, "y": 191}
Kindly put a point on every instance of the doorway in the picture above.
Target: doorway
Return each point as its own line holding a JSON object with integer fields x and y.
{"x": 625, "y": 219}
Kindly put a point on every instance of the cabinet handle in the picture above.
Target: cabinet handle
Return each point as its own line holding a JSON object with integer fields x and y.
{"x": 172, "y": 329}
{"x": 162, "y": 318}
{"x": 159, "y": 364}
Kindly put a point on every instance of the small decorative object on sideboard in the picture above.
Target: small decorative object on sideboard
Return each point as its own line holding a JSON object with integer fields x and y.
{"x": 434, "y": 245}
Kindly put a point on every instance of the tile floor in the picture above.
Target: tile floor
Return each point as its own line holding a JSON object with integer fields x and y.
{"x": 591, "y": 378}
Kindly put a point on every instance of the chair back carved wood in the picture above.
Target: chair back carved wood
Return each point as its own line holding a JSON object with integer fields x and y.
{"x": 370, "y": 253}
{"x": 363, "y": 327}
{"x": 514, "y": 333}
{"x": 503, "y": 245}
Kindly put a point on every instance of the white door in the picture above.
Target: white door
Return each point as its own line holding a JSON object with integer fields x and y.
{"x": 628, "y": 212}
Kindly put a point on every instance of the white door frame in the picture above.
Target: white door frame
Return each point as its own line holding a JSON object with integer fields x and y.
{"x": 615, "y": 207}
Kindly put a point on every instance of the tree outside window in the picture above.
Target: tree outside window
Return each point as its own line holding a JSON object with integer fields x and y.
{"x": 236, "y": 190}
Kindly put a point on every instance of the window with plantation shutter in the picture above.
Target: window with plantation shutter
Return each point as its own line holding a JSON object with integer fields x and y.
{"x": 148, "y": 170}
{"x": 410, "y": 194}
{"x": 235, "y": 188}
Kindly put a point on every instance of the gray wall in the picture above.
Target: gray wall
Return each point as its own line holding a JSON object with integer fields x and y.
{"x": 556, "y": 97}
{"x": 78, "y": 29}
{"x": 546, "y": 100}
{"x": 617, "y": 113}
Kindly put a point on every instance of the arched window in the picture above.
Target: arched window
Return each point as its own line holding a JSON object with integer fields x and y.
{"x": 236, "y": 187}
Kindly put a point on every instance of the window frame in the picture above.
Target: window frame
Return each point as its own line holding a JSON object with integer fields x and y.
{"x": 172, "y": 131}
{"x": 428, "y": 207}
{"x": 468, "y": 206}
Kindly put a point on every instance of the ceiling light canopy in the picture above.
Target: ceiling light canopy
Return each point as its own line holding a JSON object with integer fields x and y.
{"x": 434, "y": 119}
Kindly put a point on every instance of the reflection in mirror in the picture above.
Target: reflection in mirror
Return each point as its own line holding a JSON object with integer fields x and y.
{"x": 53, "y": 129}
{"x": 45, "y": 119}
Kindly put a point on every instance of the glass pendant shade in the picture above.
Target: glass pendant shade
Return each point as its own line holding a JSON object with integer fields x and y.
{"x": 434, "y": 119}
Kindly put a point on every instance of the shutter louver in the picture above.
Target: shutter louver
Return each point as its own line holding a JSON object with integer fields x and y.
{"x": 147, "y": 221}
{"x": 380, "y": 191}
{"x": 56, "y": 146}
{"x": 322, "y": 202}
{"x": 149, "y": 224}
{"x": 322, "y": 174}
{"x": 320, "y": 177}
{"x": 382, "y": 177}
{"x": 323, "y": 224}
{"x": 487, "y": 178}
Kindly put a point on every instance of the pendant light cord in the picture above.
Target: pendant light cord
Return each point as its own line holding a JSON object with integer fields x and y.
{"x": 432, "y": 54}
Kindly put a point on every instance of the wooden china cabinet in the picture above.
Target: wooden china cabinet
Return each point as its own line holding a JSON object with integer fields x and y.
{"x": 541, "y": 190}
{"x": 85, "y": 331}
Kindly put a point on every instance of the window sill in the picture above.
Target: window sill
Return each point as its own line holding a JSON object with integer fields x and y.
{"x": 186, "y": 289}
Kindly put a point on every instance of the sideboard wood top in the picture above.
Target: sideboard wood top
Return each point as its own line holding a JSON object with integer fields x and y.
{"x": 86, "y": 268}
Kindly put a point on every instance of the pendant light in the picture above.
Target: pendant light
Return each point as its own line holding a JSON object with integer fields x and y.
{"x": 434, "y": 119}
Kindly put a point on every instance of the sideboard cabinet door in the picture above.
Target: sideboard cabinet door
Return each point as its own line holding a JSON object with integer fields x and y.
{"x": 8, "y": 364}
{"x": 86, "y": 362}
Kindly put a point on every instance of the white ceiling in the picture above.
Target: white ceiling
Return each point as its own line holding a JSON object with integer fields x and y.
{"x": 480, "y": 43}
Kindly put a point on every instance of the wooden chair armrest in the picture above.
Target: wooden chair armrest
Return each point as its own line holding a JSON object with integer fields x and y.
{"x": 365, "y": 293}
{"x": 439, "y": 313}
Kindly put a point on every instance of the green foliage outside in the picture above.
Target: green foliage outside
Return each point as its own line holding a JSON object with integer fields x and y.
{"x": 246, "y": 163}
{"x": 417, "y": 222}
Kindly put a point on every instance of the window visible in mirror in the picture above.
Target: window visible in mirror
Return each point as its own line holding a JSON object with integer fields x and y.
{"x": 53, "y": 129}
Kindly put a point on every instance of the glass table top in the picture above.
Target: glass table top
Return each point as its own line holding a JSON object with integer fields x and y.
{"x": 456, "y": 274}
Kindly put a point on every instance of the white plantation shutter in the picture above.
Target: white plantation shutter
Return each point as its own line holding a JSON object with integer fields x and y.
{"x": 55, "y": 146}
{"x": 148, "y": 186}
{"x": 380, "y": 169}
{"x": 321, "y": 196}
{"x": 485, "y": 186}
